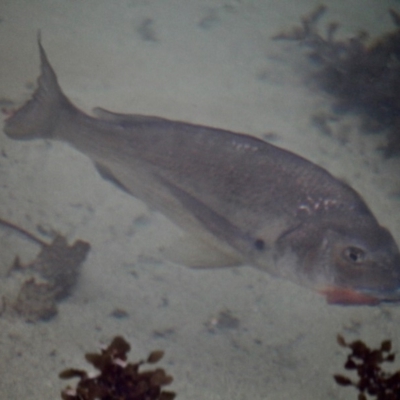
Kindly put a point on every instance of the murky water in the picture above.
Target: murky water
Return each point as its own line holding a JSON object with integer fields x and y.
{"x": 233, "y": 333}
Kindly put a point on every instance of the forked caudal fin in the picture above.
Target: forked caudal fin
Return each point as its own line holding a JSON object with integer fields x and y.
{"x": 38, "y": 117}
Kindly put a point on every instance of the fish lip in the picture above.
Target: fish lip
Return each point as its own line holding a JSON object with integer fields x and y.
{"x": 352, "y": 296}
{"x": 388, "y": 296}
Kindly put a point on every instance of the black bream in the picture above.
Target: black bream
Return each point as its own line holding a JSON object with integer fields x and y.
{"x": 244, "y": 200}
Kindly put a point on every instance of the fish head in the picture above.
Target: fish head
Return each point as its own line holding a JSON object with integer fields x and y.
{"x": 364, "y": 262}
{"x": 352, "y": 261}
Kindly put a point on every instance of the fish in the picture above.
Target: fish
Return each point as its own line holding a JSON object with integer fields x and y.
{"x": 241, "y": 200}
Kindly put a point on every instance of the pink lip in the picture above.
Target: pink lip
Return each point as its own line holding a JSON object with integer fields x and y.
{"x": 7, "y": 112}
{"x": 343, "y": 296}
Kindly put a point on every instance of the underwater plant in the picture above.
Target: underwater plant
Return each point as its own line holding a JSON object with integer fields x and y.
{"x": 362, "y": 75}
{"x": 372, "y": 380}
{"x": 33, "y": 290}
{"x": 118, "y": 379}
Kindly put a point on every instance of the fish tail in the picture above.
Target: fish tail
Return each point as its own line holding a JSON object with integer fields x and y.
{"x": 38, "y": 117}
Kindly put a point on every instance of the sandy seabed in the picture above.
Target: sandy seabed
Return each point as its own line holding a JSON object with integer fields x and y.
{"x": 212, "y": 63}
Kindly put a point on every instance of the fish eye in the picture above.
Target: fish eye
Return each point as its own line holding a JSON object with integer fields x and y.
{"x": 259, "y": 244}
{"x": 354, "y": 254}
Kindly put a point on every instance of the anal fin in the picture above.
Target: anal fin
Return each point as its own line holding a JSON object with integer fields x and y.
{"x": 194, "y": 253}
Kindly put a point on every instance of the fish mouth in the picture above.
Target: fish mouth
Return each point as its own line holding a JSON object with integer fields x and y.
{"x": 348, "y": 296}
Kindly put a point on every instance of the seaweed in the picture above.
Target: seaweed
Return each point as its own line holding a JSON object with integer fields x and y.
{"x": 373, "y": 380}
{"x": 118, "y": 379}
{"x": 362, "y": 75}
{"x": 35, "y": 288}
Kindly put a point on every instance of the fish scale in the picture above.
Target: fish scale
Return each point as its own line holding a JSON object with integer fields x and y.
{"x": 242, "y": 200}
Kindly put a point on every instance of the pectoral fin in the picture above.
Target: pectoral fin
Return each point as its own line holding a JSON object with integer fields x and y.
{"x": 189, "y": 251}
{"x": 107, "y": 174}
{"x": 220, "y": 227}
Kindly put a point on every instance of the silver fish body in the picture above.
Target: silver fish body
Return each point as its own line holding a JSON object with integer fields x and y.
{"x": 247, "y": 200}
